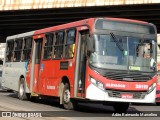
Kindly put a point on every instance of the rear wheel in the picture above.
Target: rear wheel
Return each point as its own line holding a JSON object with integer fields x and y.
{"x": 67, "y": 102}
{"x": 22, "y": 95}
{"x": 121, "y": 107}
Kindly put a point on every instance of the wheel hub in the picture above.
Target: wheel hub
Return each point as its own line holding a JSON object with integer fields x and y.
{"x": 21, "y": 90}
{"x": 67, "y": 96}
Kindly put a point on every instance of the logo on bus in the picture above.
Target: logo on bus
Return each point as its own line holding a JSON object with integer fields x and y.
{"x": 42, "y": 67}
{"x": 115, "y": 85}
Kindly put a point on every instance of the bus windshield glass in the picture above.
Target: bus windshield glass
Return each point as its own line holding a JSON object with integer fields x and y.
{"x": 123, "y": 53}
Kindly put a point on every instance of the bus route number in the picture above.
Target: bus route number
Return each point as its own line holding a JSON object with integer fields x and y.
{"x": 139, "y": 86}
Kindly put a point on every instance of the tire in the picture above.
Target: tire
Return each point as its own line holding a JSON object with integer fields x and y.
{"x": 22, "y": 95}
{"x": 158, "y": 103}
{"x": 32, "y": 99}
{"x": 9, "y": 90}
{"x": 67, "y": 102}
{"x": 121, "y": 107}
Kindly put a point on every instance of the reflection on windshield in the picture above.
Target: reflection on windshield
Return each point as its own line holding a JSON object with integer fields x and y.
{"x": 140, "y": 53}
{"x": 136, "y": 54}
{"x": 107, "y": 54}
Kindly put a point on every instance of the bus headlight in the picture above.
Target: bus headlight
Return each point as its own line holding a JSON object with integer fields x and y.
{"x": 97, "y": 83}
{"x": 151, "y": 88}
{"x": 93, "y": 81}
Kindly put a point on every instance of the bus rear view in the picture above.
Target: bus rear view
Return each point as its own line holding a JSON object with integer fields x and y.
{"x": 122, "y": 63}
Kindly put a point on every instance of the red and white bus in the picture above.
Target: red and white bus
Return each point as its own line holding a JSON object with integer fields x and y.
{"x": 102, "y": 60}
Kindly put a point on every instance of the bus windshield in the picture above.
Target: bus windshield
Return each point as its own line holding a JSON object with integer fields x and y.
{"x": 123, "y": 53}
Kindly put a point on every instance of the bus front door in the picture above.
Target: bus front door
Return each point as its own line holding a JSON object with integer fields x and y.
{"x": 80, "y": 73}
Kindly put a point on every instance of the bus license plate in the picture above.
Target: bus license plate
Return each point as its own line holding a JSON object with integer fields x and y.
{"x": 127, "y": 96}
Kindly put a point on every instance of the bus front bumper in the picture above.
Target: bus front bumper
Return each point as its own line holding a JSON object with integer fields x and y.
{"x": 94, "y": 93}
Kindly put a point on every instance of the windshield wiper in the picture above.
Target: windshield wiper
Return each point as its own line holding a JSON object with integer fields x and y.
{"x": 117, "y": 42}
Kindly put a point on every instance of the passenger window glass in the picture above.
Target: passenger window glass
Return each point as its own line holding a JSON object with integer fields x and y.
{"x": 59, "y": 38}
{"x": 9, "y": 51}
{"x": 58, "y": 47}
{"x": 18, "y": 49}
{"x": 70, "y": 43}
{"x": 27, "y": 49}
{"x": 48, "y": 46}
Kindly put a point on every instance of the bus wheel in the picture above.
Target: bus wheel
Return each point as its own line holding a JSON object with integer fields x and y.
{"x": 22, "y": 95}
{"x": 158, "y": 103}
{"x": 68, "y": 103}
{"x": 121, "y": 107}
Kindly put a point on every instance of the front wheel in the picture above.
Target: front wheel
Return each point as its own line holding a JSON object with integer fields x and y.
{"x": 68, "y": 103}
{"x": 158, "y": 103}
{"x": 121, "y": 107}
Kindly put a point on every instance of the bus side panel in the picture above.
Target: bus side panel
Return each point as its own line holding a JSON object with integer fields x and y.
{"x": 48, "y": 77}
{"x": 36, "y": 77}
{"x": 51, "y": 75}
{"x": 12, "y": 74}
{"x": 28, "y": 75}
{"x": 69, "y": 73}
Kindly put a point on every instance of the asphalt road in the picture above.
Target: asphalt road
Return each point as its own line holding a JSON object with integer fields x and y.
{"x": 52, "y": 111}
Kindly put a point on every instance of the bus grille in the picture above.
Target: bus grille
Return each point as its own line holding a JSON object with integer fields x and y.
{"x": 127, "y": 76}
{"x": 158, "y": 99}
{"x": 117, "y": 94}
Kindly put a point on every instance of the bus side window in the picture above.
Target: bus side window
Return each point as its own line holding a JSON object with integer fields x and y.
{"x": 9, "y": 52}
{"x": 48, "y": 46}
{"x": 58, "y": 46}
{"x": 27, "y": 49}
{"x": 70, "y": 43}
{"x": 18, "y": 49}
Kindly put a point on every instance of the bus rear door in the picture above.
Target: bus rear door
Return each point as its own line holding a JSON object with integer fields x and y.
{"x": 36, "y": 60}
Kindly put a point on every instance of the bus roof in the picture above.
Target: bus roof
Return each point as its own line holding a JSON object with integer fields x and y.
{"x": 21, "y": 35}
{"x": 64, "y": 26}
{"x": 84, "y": 22}
{"x": 70, "y": 25}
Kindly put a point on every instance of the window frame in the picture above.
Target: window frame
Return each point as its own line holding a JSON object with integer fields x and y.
{"x": 58, "y": 45}
{"x": 17, "y": 50}
{"x": 9, "y": 51}
{"x": 48, "y": 46}
{"x": 26, "y": 49}
{"x": 67, "y": 45}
